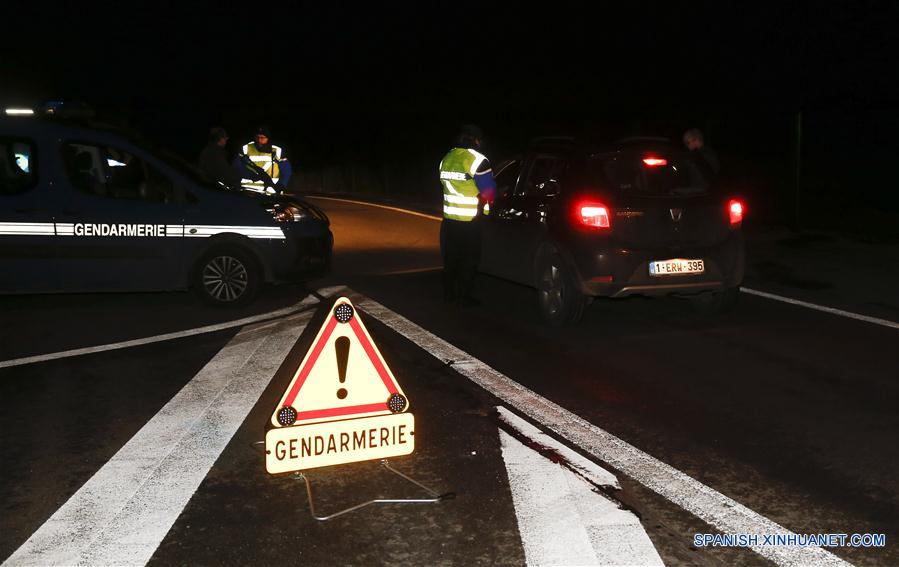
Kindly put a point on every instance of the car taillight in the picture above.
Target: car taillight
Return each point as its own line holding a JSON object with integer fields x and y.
{"x": 594, "y": 214}
{"x": 654, "y": 161}
{"x": 735, "y": 212}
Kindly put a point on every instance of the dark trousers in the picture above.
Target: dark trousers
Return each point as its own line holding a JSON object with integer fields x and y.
{"x": 460, "y": 245}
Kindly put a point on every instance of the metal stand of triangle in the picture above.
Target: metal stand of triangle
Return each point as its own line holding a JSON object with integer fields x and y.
{"x": 434, "y": 496}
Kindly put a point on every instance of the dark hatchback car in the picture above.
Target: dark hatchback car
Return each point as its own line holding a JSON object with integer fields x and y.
{"x": 85, "y": 207}
{"x": 642, "y": 217}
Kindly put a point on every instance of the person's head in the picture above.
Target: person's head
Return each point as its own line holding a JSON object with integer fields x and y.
{"x": 470, "y": 136}
{"x": 693, "y": 139}
{"x": 262, "y": 136}
{"x": 218, "y": 136}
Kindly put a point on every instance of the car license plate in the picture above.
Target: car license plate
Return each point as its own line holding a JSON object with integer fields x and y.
{"x": 676, "y": 267}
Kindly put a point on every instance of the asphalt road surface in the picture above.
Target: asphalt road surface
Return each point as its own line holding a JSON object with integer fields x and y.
{"x": 775, "y": 415}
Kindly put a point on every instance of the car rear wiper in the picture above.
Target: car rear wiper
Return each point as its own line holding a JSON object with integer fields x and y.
{"x": 686, "y": 191}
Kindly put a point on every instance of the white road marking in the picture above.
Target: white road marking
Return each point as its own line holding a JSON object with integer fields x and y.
{"x": 305, "y": 303}
{"x": 397, "y": 209}
{"x": 831, "y": 310}
{"x": 414, "y": 271}
{"x": 707, "y": 504}
{"x": 579, "y": 464}
{"x": 123, "y": 512}
{"x": 561, "y": 519}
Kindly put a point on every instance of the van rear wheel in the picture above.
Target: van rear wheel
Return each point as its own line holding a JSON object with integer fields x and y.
{"x": 226, "y": 277}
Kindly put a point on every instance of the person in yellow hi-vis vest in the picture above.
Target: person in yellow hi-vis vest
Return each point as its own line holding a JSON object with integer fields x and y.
{"x": 267, "y": 157}
{"x": 468, "y": 191}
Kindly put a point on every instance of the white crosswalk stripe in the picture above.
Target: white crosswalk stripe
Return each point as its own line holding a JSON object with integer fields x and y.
{"x": 121, "y": 514}
{"x": 561, "y": 519}
{"x": 707, "y": 504}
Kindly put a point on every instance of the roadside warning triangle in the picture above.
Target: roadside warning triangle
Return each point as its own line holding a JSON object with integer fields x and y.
{"x": 343, "y": 376}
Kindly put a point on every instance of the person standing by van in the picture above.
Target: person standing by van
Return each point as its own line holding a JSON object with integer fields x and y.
{"x": 269, "y": 158}
{"x": 213, "y": 160}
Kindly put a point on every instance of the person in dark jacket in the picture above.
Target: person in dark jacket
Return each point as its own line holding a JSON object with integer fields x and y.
{"x": 213, "y": 160}
{"x": 707, "y": 158}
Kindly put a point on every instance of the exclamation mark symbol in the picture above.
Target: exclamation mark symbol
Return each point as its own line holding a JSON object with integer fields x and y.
{"x": 342, "y": 350}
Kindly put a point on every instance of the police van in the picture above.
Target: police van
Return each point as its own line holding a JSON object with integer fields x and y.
{"x": 85, "y": 207}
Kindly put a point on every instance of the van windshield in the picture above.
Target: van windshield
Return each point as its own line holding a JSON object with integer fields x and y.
{"x": 179, "y": 164}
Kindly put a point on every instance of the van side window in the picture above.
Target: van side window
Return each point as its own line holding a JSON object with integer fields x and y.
{"x": 17, "y": 166}
{"x": 114, "y": 173}
{"x": 159, "y": 187}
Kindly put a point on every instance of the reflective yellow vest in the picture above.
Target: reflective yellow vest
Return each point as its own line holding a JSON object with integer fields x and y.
{"x": 263, "y": 160}
{"x": 460, "y": 192}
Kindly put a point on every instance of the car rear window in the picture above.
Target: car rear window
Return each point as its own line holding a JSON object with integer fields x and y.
{"x": 17, "y": 166}
{"x": 658, "y": 174}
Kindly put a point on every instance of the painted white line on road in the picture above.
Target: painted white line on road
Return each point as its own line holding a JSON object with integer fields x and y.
{"x": 561, "y": 519}
{"x": 579, "y": 464}
{"x": 414, "y": 271}
{"x": 123, "y": 512}
{"x": 831, "y": 310}
{"x": 707, "y": 504}
{"x": 389, "y": 208}
{"x": 305, "y": 303}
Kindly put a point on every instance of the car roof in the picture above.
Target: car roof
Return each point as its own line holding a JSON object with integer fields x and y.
{"x": 586, "y": 147}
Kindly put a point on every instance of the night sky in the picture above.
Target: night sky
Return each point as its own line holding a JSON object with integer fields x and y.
{"x": 348, "y": 83}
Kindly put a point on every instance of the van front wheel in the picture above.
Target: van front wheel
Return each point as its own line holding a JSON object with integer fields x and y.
{"x": 226, "y": 277}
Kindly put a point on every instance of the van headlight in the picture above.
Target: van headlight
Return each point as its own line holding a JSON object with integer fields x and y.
{"x": 287, "y": 213}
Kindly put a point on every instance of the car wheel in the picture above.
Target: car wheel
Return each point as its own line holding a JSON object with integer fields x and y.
{"x": 227, "y": 277}
{"x": 715, "y": 303}
{"x": 559, "y": 300}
